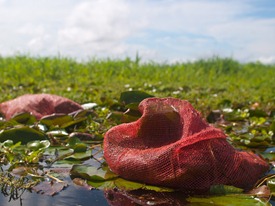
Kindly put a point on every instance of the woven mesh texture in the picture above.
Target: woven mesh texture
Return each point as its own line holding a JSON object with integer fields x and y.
{"x": 172, "y": 146}
{"x": 39, "y": 105}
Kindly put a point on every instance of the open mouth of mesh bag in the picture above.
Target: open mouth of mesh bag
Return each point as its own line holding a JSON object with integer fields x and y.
{"x": 171, "y": 145}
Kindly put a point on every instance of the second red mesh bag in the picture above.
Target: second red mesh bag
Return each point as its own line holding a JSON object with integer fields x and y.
{"x": 38, "y": 105}
{"x": 172, "y": 146}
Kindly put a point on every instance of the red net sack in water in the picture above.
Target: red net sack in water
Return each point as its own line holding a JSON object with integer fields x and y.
{"x": 172, "y": 146}
{"x": 38, "y": 105}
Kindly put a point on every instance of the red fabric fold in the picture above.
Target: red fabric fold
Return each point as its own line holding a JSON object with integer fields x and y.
{"x": 171, "y": 145}
{"x": 38, "y": 105}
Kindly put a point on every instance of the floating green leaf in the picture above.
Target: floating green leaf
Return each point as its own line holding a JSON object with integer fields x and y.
{"x": 56, "y": 120}
{"x": 22, "y": 134}
{"x": 224, "y": 189}
{"x": 24, "y": 118}
{"x": 36, "y": 145}
{"x": 73, "y": 122}
{"x": 90, "y": 173}
{"x": 80, "y": 113}
{"x": 130, "y": 97}
{"x": 105, "y": 179}
{"x": 80, "y": 155}
{"x": 234, "y": 199}
{"x": 271, "y": 185}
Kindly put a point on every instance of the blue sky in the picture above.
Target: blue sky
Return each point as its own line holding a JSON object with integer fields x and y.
{"x": 159, "y": 30}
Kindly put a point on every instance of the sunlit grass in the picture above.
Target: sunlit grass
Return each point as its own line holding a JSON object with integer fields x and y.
{"x": 205, "y": 83}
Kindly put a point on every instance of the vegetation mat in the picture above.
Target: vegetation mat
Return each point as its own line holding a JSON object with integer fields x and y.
{"x": 48, "y": 155}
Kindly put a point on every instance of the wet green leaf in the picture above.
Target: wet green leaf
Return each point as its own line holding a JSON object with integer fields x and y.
{"x": 127, "y": 185}
{"x": 58, "y": 133}
{"x": 131, "y": 185}
{"x": 36, "y": 145}
{"x": 74, "y": 122}
{"x": 80, "y": 114}
{"x": 56, "y": 120}
{"x": 90, "y": 173}
{"x": 224, "y": 189}
{"x": 102, "y": 185}
{"x": 86, "y": 137}
{"x": 24, "y": 118}
{"x": 158, "y": 189}
{"x": 7, "y": 143}
{"x": 105, "y": 179}
{"x": 133, "y": 97}
{"x": 269, "y": 156}
{"x": 234, "y": 200}
{"x": 23, "y": 134}
{"x": 133, "y": 106}
{"x": 271, "y": 185}
{"x": 33, "y": 157}
{"x": 80, "y": 147}
{"x": 121, "y": 117}
{"x": 80, "y": 155}
{"x": 77, "y": 145}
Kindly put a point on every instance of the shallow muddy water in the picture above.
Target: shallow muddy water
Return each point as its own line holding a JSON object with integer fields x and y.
{"x": 78, "y": 196}
{"x": 71, "y": 196}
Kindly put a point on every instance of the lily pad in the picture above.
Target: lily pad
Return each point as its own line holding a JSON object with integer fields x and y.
{"x": 80, "y": 155}
{"x": 91, "y": 173}
{"x": 24, "y": 118}
{"x": 23, "y": 134}
{"x": 133, "y": 97}
{"x": 234, "y": 199}
{"x": 36, "y": 145}
{"x": 56, "y": 120}
{"x": 105, "y": 179}
{"x": 224, "y": 189}
{"x": 74, "y": 122}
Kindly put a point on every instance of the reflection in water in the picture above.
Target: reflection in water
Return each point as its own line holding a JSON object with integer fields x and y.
{"x": 144, "y": 198}
{"x": 72, "y": 196}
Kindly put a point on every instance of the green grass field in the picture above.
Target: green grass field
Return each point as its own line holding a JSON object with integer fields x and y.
{"x": 206, "y": 83}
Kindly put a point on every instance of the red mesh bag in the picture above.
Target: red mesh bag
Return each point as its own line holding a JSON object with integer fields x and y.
{"x": 38, "y": 105}
{"x": 172, "y": 146}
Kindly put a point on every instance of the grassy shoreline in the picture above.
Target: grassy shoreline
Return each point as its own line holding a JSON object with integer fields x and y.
{"x": 207, "y": 83}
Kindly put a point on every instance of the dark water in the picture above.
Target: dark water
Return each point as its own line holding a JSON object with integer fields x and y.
{"x": 76, "y": 196}
{"x": 71, "y": 196}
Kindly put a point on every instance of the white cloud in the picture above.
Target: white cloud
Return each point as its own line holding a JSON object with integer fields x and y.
{"x": 103, "y": 27}
{"x": 100, "y": 26}
{"x": 158, "y": 30}
{"x": 247, "y": 38}
{"x": 205, "y": 28}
